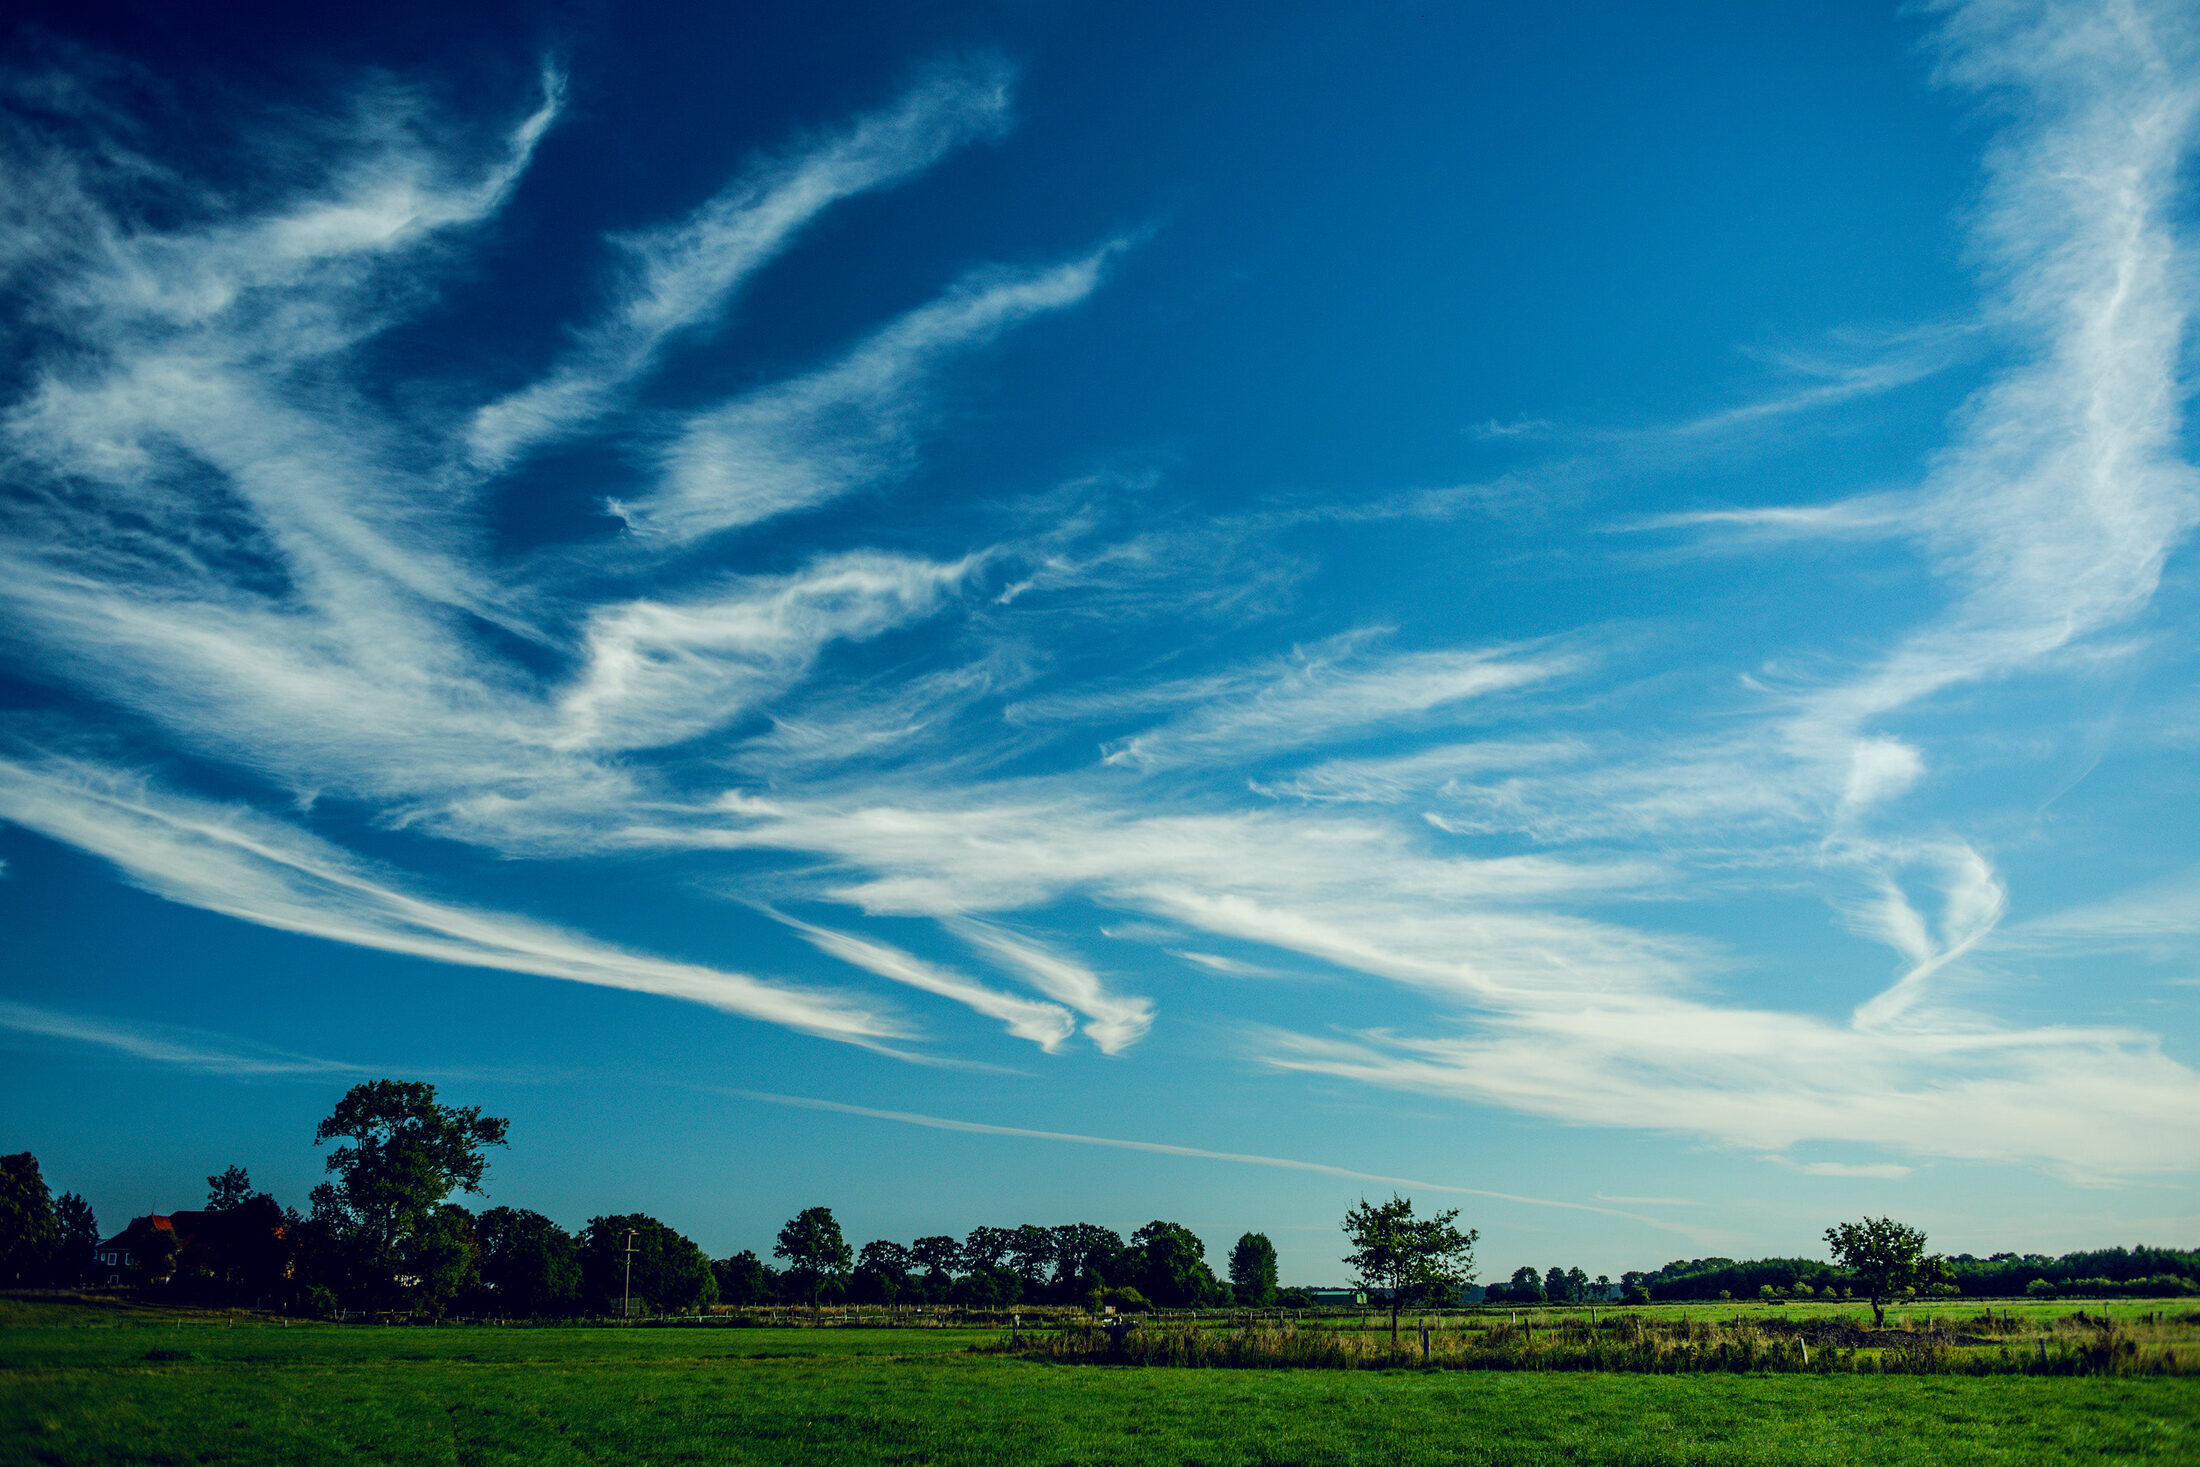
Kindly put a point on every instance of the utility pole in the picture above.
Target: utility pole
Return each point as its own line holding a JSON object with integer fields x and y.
{"x": 626, "y": 1298}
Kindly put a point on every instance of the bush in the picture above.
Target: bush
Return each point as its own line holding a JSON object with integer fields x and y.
{"x": 1126, "y": 1300}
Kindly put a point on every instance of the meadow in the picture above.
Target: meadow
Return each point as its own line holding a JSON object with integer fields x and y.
{"x": 116, "y": 1384}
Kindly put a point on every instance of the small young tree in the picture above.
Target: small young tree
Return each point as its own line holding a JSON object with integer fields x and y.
{"x": 815, "y": 1251}
{"x": 1253, "y": 1270}
{"x": 78, "y": 1236}
{"x": 1885, "y": 1257}
{"x": 1406, "y": 1257}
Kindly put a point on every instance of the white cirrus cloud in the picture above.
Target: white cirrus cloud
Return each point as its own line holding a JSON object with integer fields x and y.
{"x": 226, "y": 859}
{"x": 656, "y": 672}
{"x": 681, "y": 276}
{"x": 1047, "y": 1025}
{"x": 1113, "y": 1021}
{"x": 188, "y": 1049}
{"x": 803, "y": 442}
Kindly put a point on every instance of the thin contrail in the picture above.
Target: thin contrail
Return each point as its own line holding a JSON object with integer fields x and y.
{"x": 981, "y": 1128}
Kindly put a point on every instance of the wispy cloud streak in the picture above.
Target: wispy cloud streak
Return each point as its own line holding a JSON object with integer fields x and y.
{"x": 184, "y": 1048}
{"x": 1161, "y": 1148}
{"x": 1113, "y": 1021}
{"x": 804, "y": 442}
{"x": 1044, "y": 1024}
{"x": 681, "y": 277}
{"x": 227, "y": 860}
{"x": 221, "y": 534}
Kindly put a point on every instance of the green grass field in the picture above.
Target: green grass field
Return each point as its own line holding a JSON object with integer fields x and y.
{"x": 88, "y": 1385}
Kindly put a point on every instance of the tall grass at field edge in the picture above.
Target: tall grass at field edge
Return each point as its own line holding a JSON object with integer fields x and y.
{"x": 1625, "y": 1343}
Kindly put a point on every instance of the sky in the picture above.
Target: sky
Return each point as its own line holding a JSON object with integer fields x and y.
{"x": 1023, "y": 611}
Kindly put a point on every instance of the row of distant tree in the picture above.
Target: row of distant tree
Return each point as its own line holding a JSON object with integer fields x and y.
{"x": 381, "y": 1233}
{"x": 2142, "y": 1271}
{"x": 1557, "y": 1286}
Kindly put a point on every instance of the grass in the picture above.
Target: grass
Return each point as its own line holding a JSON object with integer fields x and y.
{"x": 85, "y": 1385}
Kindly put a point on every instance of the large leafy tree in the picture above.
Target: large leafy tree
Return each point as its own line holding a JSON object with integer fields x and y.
{"x": 29, "y": 1235}
{"x": 1253, "y": 1270}
{"x": 1884, "y": 1257}
{"x": 1030, "y": 1256}
{"x": 531, "y": 1266}
{"x": 941, "y": 1258}
{"x": 882, "y": 1272}
{"x": 443, "y": 1258}
{"x": 403, "y": 1154}
{"x": 985, "y": 1249}
{"x": 1172, "y": 1266}
{"x": 745, "y": 1279}
{"x": 1408, "y": 1258}
{"x": 1527, "y": 1286}
{"x": 1087, "y": 1258}
{"x": 246, "y": 1245}
{"x": 816, "y": 1253}
{"x": 670, "y": 1274}
{"x": 988, "y": 1281}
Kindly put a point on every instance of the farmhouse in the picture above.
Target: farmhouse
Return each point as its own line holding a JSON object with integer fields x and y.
{"x": 158, "y": 1241}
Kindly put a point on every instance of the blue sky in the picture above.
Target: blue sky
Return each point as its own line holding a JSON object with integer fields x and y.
{"x": 1038, "y": 612}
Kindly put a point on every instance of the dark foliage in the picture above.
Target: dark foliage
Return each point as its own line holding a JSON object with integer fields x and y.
{"x": 746, "y": 1279}
{"x": 670, "y": 1275}
{"x": 1168, "y": 1264}
{"x": 404, "y": 1154}
{"x": 77, "y": 1240}
{"x": 818, "y": 1257}
{"x": 30, "y": 1237}
{"x": 530, "y": 1266}
{"x": 1253, "y": 1270}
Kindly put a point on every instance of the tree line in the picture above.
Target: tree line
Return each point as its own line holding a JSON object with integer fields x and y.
{"x": 382, "y": 1234}
{"x": 1558, "y": 1286}
{"x": 2140, "y": 1271}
